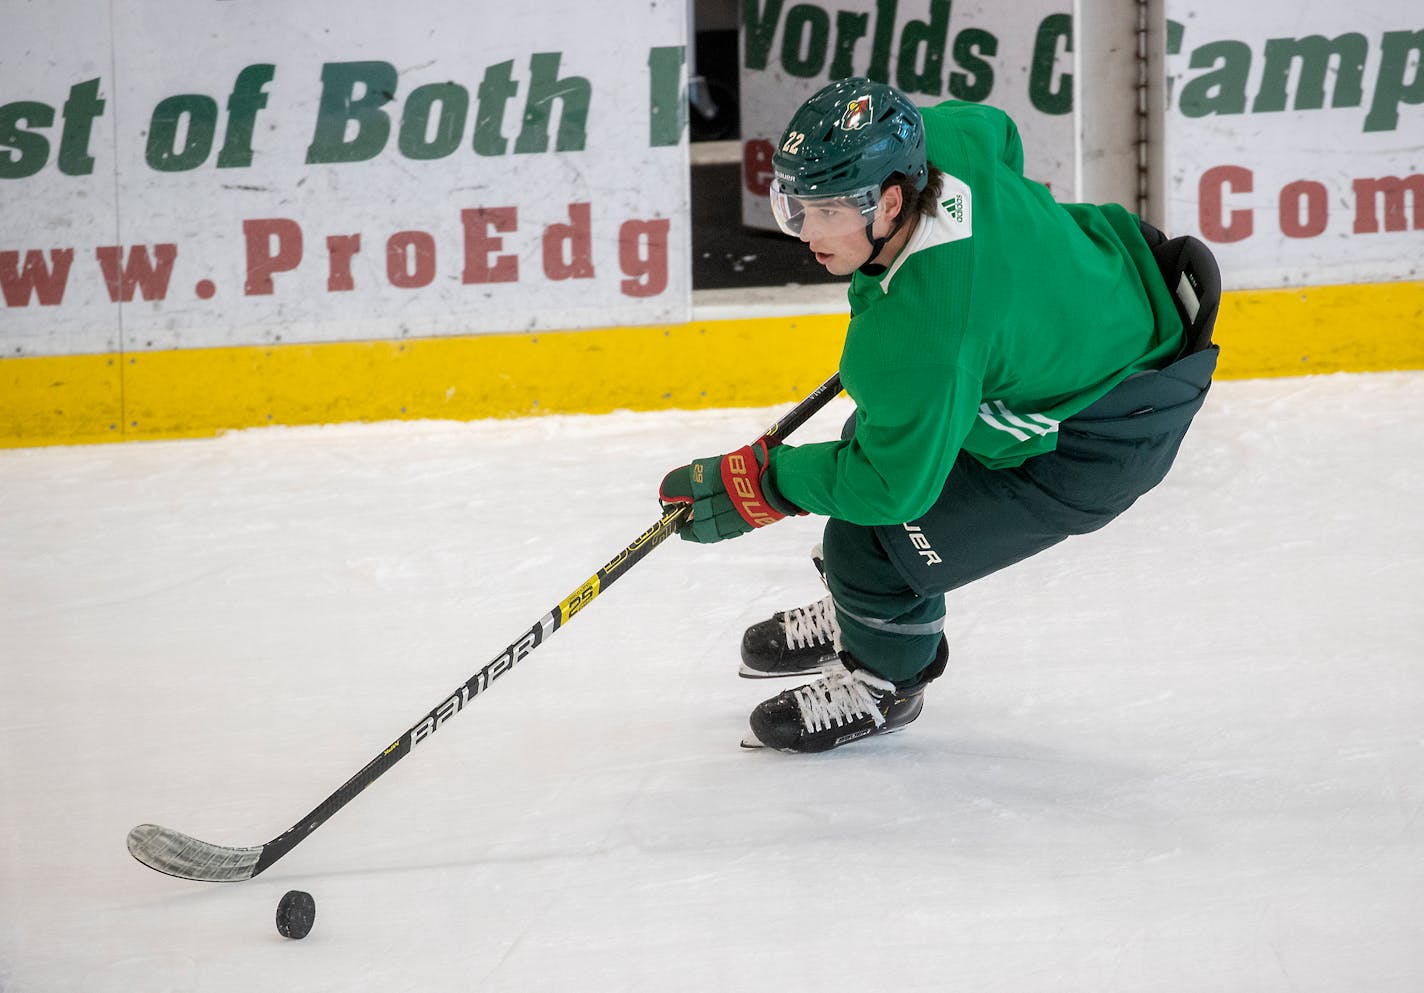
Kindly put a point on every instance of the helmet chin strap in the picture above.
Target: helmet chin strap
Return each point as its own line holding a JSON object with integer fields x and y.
{"x": 877, "y": 245}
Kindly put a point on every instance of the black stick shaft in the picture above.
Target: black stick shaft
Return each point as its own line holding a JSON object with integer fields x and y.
{"x": 522, "y": 646}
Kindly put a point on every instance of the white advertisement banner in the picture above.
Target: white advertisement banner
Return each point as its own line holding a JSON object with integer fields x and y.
{"x": 195, "y": 173}
{"x": 1017, "y": 57}
{"x": 1295, "y": 144}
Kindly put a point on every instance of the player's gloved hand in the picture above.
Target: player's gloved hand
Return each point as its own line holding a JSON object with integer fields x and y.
{"x": 729, "y": 495}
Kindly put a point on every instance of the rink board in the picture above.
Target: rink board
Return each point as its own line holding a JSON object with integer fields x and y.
{"x": 754, "y": 360}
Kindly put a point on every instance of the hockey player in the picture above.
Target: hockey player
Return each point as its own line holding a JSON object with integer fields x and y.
{"x": 1022, "y": 370}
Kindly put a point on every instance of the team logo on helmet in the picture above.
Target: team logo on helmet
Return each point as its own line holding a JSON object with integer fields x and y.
{"x": 857, "y": 114}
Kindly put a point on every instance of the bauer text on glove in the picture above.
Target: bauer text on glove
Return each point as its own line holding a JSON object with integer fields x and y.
{"x": 728, "y": 495}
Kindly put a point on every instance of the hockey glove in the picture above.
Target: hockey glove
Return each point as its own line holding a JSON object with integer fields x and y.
{"x": 728, "y": 494}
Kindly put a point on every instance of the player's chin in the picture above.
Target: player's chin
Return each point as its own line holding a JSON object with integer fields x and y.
{"x": 832, "y": 262}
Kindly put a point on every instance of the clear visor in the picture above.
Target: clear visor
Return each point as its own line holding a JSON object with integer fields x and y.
{"x": 824, "y": 216}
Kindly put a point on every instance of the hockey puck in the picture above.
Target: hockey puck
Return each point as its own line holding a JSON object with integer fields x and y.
{"x": 296, "y": 913}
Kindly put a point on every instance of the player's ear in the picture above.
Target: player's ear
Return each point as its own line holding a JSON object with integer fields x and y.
{"x": 892, "y": 201}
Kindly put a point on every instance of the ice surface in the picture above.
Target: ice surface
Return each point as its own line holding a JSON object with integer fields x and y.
{"x": 1183, "y": 754}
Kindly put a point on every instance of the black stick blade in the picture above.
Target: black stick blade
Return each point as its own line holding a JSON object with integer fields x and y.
{"x": 176, "y": 854}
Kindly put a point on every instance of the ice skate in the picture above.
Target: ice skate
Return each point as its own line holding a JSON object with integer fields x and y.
{"x": 846, "y": 704}
{"x": 797, "y": 642}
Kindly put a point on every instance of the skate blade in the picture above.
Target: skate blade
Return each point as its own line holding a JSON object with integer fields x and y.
{"x": 752, "y": 743}
{"x": 747, "y": 672}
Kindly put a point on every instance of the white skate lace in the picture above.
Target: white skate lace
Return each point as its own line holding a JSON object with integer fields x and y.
{"x": 840, "y": 698}
{"x": 814, "y": 624}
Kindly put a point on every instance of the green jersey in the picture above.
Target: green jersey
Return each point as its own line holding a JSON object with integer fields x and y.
{"x": 1005, "y": 314}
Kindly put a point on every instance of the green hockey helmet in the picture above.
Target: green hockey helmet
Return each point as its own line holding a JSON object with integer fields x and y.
{"x": 840, "y": 146}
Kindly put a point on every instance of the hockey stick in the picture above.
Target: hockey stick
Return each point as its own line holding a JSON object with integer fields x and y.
{"x": 180, "y": 855}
